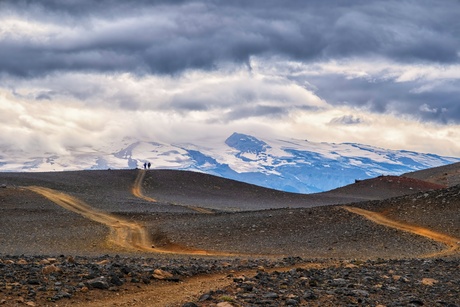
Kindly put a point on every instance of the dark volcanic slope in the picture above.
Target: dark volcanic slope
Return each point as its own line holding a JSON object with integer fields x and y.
{"x": 197, "y": 189}
{"x": 383, "y": 187}
{"x": 30, "y": 223}
{"x": 438, "y": 210}
{"x": 447, "y": 175}
{"x": 106, "y": 190}
{"x": 111, "y": 190}
{"x": 327, "y": 231}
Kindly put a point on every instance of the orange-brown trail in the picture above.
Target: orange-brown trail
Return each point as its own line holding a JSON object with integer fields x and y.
{"x": 137, "y": 191}
{"x": 452, "y": 242}
{"x": 137, "y": 187}
{"x": 123, "y": 233}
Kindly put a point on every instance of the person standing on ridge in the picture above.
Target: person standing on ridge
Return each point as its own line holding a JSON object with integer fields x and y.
{"x": 149, "y": 165}
{"x": 145, "y": 165}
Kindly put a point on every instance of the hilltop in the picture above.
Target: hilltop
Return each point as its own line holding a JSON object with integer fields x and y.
{"x": 447, "y": 175}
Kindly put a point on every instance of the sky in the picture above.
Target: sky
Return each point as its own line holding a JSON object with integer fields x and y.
{"x": 77, "y": 73}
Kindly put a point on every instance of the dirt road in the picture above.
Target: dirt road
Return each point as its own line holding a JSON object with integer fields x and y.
{"x": 123, "y": 233}
{"x": 452, "y": 242}
{"x": 137, "y": 187}
{"x": 170, "y": 294}
{"x": 137, "y": 191}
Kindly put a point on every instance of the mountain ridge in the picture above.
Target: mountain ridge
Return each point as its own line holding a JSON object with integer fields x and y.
{"x": 289, "y": 165}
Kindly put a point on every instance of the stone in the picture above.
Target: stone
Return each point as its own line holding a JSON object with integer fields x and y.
{"x": 190, "y": 304}
{"x": 271, "y": 295}
{"x": 84, "y": 289}
{"x": 44, "y": 262}
{"x": 52, "y": 260}
{"x": 50, "y": 269}
{"x": 98, "y": 283}
{"x": 337, "y": 282}
{"x": 33, "y": 281}
{"x": 115, "y": 280}
{"x": 360, "y": 293}
{"x": 205, "y": 297}
{"x": 160, "y": 274}
{"x": 428, "y": 281}
{"x": 240, "y": 278}
{"x": 309, "y": 295}
{"x": 416, "y": 302}
{"x": 292, "y": 302}
{"x": 224, "y": 304}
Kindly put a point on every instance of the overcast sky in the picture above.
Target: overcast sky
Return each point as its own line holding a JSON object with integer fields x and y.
{"x": 76, "y": 73}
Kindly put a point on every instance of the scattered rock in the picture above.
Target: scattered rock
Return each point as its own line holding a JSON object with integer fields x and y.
{"x": 160, "y": 274}
{"x": 49, "y": 269}
{"x": 292, "y": 302}
{"x": 98, "y": 283}
{"x": 22, "y": 262}
{"x": 360, "y": 293}
{"x": 271, "y": 295}
{"x": 369, "y": 283}
{"x": 428, "y": 281}
{"x": 84, "y": 289}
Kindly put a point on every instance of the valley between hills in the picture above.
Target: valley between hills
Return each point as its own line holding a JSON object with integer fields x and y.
{"x": 180, "y": 238}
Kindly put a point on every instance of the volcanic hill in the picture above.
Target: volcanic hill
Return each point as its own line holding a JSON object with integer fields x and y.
{"x": 67, "y": 237}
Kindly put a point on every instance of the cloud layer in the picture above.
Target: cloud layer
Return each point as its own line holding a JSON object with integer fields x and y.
{"x": 76, "y": 73}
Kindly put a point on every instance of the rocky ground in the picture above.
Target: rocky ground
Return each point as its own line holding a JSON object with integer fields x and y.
{"x": 79, "y": 281}
{"x": 297, "y": 253}
{"x": 68, "y": 280}
{"x": 410, "y": 282}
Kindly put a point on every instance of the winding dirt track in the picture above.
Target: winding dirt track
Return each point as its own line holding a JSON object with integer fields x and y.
{"x": 452, "y": 242}
{"x": 167, "y": 294}
{"x": 137, "y": 187}
{"x": 123, "y": 233}
{"x": 137, "y": 191}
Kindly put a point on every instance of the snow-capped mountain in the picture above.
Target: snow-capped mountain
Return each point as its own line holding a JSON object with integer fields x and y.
{"x": 289, "y": 165}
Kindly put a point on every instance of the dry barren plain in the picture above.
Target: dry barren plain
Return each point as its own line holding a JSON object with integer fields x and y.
{"x": 175, "y": 238}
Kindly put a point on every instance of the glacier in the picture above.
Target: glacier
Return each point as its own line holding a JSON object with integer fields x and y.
{"x": 291, "y": 165}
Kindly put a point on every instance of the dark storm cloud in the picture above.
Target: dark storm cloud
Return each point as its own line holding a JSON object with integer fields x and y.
{"x": 255, "y": 111}
{"x": 439, "y": 104}
{"x": 170, "y": 36}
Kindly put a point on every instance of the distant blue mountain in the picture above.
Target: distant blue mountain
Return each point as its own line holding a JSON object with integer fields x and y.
{"x": 289, "y": 165}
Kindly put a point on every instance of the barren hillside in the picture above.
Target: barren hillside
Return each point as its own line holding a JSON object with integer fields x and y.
{"x": 192, "y": 223}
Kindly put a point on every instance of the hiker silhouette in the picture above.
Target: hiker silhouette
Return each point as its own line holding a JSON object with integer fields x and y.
{"x": 149, "y": 165}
